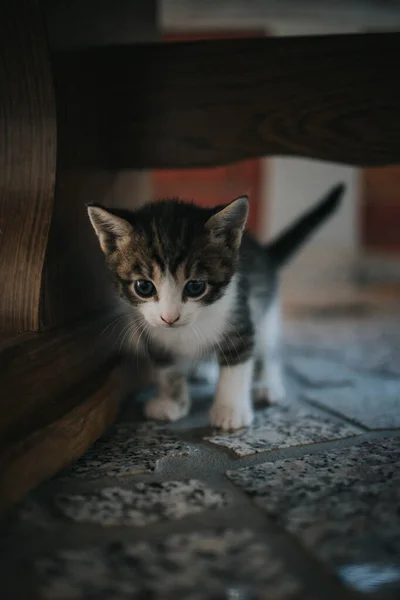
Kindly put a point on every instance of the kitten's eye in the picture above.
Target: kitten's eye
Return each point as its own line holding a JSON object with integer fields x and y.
{"x": 145, "y": 288}
{"x": 194, "y": 288}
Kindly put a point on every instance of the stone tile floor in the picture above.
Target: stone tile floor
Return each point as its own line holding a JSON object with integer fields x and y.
{"x": 303, "y": 505}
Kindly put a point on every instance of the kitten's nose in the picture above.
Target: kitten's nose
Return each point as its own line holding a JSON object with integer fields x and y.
{"x": 169, "y": 320}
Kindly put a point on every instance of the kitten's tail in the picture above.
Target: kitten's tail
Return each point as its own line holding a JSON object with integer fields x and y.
{"x": 286, "y": 244}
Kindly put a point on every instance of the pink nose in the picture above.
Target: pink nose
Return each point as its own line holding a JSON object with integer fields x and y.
{"x": 170, "y": 320}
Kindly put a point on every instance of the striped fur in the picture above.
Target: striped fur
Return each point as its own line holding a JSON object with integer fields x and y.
{"x": 170, "y": 243}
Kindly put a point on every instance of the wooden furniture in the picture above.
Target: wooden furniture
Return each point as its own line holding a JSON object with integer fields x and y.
{"x": 71, "y": 116}
{"x": 58, "y": 389}
{"x": 380, "y": 211}
{"x": 216, "y": 185}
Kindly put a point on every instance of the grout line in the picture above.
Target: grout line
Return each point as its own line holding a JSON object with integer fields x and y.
{"x": 210, "y": 462}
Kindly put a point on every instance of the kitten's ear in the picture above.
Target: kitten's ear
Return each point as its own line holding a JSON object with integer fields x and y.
{"x": 230, "y": 220}
{"x": 108, "y": 227}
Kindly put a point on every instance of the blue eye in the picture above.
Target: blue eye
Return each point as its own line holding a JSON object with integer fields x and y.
{"x": 145, "y": 288}
{"x": 194, "y": 288}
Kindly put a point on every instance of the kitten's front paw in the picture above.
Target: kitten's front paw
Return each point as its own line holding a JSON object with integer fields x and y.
{"x": 266, "y": 395}
{"x": 229, "y": 417}
{"x": 162, "y": 408}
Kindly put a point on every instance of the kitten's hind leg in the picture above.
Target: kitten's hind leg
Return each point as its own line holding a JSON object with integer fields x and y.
{"x": 269, "y": 383}
{"x": 173, "y": 399}
{"x": 205, "y": 372}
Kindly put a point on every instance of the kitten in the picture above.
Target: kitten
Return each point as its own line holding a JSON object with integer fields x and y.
{"x": 198, "y": 284}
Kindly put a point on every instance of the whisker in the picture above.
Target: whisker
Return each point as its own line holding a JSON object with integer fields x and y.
{"x": 132, "y": 333}
{"x": 113, "y": 322}
{"x": 141, "y": 334}
{"x": 215, "y": 339}
{"x": 126, "y": 334}
{"x": 203, "y": 341}
{"x": 122, "y": 332}
{"x": 232, "y": 345}
{"x": 129, "y": 332}
{"x": 236, "y": 331}
{"x": 147, "y": 340}
{"x": 200, "y": 351}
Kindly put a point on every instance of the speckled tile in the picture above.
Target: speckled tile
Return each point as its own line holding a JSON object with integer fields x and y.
{"x": 280, "y": 427}
{"x": 320, "y": 372}
{"x": 342, "y": 332}
{"x": 206, "y": 566}
{"x": 142, "y": 504}
{"x": 343, "y": 505}
{"x": 382, "y": 357}
{"x": 128, "y": 449}
{"x": 371, "y": 346}
{"x": 372, "y": 402}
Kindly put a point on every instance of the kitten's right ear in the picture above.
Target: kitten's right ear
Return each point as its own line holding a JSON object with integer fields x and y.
{"x": 108, "y": 227}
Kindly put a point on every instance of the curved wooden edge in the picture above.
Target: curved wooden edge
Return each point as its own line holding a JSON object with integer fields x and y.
{"x": 333, "y": 98}
{"x": 42, "y": 454}
{"x": 27, "y": 161}
{"x": 59, "y": 392}
{"x": 45, "y": 372}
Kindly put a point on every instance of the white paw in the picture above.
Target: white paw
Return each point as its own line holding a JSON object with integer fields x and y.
{"x": 231, "y": 416}
{"x": 272, "y": 394}
{"x": 162, "y": 408}
{"x": 277, "y": 393}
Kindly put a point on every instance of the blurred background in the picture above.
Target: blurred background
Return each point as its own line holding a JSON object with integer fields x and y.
{"x": 361, "y": 244}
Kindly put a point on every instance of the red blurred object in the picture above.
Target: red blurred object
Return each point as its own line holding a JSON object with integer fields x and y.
{"x": 380, "y": 210}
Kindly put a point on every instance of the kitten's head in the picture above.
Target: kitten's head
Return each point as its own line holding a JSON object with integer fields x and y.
{"x": 171, "y": 259}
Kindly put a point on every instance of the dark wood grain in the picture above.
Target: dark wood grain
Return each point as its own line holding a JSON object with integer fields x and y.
{"x": 38, "y": 456}
{"x": 334, "y": 98}
{"x": 41, "y": 370}
{"x": 74, "y": 281}
{"x": 27, "y": 161}
{"x": 59, "y": 392}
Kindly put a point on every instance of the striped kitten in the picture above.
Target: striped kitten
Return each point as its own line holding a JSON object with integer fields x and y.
{"x": 198, "y": 284}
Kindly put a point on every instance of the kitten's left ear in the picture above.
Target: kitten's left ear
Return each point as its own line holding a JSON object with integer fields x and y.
{"x": 230, "y": 220}
{"x": 108, "y": 227}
